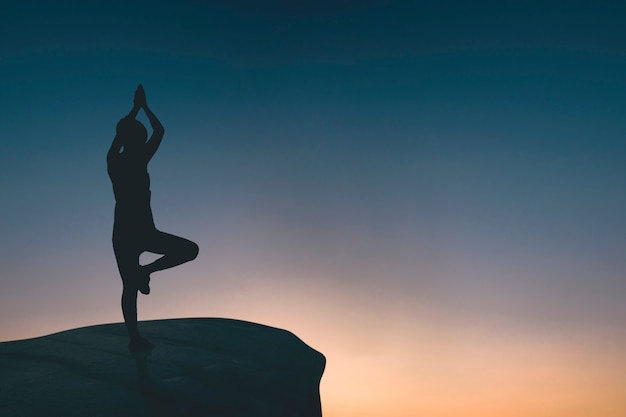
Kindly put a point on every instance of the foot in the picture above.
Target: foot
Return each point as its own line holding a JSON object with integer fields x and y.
{"x": 143, "y": 285}
{"x": 140, "y": 344}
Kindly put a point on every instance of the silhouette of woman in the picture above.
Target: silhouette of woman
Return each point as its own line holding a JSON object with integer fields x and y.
{"x": 134, "y": 231}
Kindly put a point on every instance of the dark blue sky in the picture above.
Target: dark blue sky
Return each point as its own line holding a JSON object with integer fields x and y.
{"x": 355, "y": 171}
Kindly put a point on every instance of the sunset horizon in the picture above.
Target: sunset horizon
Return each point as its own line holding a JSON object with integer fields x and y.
{"x": 430, "y": 194}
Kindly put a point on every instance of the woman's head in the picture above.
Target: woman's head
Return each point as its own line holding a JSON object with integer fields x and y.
{"x": 132, "y": 133}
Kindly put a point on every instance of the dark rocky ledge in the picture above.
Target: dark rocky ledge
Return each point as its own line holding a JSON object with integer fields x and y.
{"x": 199, "y": 367}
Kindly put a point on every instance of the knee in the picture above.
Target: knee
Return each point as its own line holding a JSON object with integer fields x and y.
{"x": 192, "y": 251}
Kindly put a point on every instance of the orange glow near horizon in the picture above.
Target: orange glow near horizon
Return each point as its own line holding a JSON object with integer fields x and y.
{"x": 408, "y": 364}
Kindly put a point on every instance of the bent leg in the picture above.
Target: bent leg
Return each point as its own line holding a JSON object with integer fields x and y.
{"x": 175, "y": 250}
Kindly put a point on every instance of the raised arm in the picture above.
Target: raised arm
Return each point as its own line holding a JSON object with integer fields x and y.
{"x": 157, "y": 128}
{"x": 134, "y": 111}
{"x": 116, "y": 145}
{"x": 157, "y": 132}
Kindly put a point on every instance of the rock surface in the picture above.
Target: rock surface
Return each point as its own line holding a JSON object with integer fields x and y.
{"x": 199, "y": 367}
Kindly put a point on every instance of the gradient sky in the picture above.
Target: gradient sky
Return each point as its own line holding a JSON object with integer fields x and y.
{"x": 432, "y": 194}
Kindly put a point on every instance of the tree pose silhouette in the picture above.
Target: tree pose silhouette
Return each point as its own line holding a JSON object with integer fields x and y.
{"x": 134, "y": 231}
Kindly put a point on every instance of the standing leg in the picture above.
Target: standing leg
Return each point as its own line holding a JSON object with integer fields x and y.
{"x": 131, "y": 273}
{"x": 129, "y": 310}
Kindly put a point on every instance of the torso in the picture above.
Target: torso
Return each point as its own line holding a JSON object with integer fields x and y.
{"x": 131, "y": 186}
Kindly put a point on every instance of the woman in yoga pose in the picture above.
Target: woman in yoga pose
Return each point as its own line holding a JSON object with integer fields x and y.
{"x": 134, "y": 231}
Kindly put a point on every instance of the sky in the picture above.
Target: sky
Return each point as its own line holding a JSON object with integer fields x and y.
{"x": 431, "y": 194}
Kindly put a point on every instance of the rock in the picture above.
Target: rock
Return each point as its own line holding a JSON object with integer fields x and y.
{"x": 200, "y": 367}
